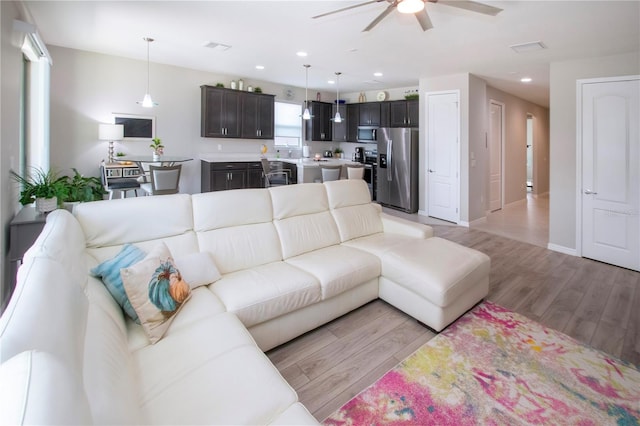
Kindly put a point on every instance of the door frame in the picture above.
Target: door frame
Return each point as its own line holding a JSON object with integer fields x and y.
{"x": 579, "y": 84}
{"x": 502, "y": 155}
{"x": 455, "y": 92}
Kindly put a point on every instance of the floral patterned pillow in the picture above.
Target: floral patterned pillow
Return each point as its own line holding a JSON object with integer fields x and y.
{"x": 156, "y": 291}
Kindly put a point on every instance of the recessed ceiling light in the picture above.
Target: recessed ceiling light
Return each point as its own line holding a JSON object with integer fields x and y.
{"x": 331, "y": 82}
{"x": 301, "y": 54}
{"x": 377, "y": 74}
{"x": 526, "y": 79}
{"x": 216, "y": 46}
{"x": 259, "y": 67}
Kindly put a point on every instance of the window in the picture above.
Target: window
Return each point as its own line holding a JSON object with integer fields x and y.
{"x": 288, "y": 125}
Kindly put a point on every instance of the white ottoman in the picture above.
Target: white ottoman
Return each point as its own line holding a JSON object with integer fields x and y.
{"x": 434, "y": 280}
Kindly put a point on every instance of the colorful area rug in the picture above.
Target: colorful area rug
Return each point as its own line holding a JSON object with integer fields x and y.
{"x": 495, "y": 367}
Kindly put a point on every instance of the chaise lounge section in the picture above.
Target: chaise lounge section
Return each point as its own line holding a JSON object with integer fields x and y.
{"x": 275, "y": 263}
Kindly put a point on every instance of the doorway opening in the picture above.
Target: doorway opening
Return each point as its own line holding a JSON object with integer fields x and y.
{"x": 530, "y": 157}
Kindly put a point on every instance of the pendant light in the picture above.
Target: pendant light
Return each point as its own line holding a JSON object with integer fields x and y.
{"x": 306, "y": 115}
{"x": 337, "y": 118}
{"x": 147, "y": 102}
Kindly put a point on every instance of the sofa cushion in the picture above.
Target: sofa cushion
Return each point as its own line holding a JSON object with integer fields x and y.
{"x": 109, "y": 272}
{"x": 47, "y": 312}
{"x": 198, "y": 269}
{"x": 265, "y": 292}
{"x": 156, "y": 291}
{"x": 338, "y": 268}
{"x": 241, "y": 247}
{"x": 380, "y": 243}
{"x": 437, "y": 269}
{"x": 110, "y": 377}
{"x": 347, "y": 192}
{"x": 298, "y": 200}
{"x": 357, "y": 221}
{"x": 37, "y": 388}
{"x": 224, "y": 209}
{"x": 295, "y": 415}
{"x": 223, "y": 378}
{"x": 303, "y": 234}
{"x": 128, "y": 220}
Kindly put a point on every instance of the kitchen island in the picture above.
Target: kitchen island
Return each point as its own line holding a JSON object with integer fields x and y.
{"x": 236, "y": 171}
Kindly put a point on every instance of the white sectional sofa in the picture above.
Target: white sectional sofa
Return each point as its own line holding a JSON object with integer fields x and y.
{"x": 289, "y": 259}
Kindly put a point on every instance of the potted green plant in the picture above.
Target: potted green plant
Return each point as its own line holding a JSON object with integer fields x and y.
{"x": 158, "y": 148}
{"x": 338, "y": 152}
{"x": 80, "y": 189}
{"x": 46, "y": 188}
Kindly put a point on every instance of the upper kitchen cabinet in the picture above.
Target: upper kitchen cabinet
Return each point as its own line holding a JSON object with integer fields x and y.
{"x": 319, "y": 127}
{"x": 220, "y": 112}
{"x": 404, "y": 113}
{"x": 353, "y": 119}
{"x": 369, "y": 114}
{"x": 340, "y": 129}
{"x": 257, "y": 116}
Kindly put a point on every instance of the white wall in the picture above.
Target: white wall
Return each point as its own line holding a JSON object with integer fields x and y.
{"x": 10, "y": 105}
{"x": 515, "y": 155}
{"x": 563, "y": 76}
{"x": 86, "y": 88}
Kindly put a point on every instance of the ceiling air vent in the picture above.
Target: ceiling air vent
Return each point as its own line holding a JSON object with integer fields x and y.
{"x": 217, "y": 46}
{"x": 528, "y": 47}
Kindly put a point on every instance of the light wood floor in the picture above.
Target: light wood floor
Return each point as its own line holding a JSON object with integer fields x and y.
{"x": 595, "y": 303}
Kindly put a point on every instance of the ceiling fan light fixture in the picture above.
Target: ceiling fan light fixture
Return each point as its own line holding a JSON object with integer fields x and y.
{"x": 410, "y": 6}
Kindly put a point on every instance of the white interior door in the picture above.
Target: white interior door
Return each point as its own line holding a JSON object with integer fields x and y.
{"x": 495, "y": 156}
{"x": 610, "y": 172}
{"x": 442, "y": 161}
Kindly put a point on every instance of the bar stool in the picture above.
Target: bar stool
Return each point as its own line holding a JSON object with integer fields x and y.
{"x": 355, "y": 171}
{"x": 330, "y": 173}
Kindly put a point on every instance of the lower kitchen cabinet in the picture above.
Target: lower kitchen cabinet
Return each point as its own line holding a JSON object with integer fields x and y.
{"x": 222, "y": 176}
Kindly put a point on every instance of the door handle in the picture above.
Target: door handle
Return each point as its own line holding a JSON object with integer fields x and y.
{"x": 389, "y": 163}
{"x": 590, "y": 192}
{"x": 431, "y": 171}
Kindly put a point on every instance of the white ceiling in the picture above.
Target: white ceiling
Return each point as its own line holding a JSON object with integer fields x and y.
{"x": 269, "y": 33}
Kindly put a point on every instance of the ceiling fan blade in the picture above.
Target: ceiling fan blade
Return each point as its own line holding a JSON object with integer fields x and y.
{"x": 380, "y": 17}
{"x": 474, "y": 6}
{"x": 346, "y": 8}
{"x": 424, "y": 20}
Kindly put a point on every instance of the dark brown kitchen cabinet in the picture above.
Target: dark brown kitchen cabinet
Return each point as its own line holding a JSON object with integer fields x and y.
{"x": 369, "y": 114}
{"x": 319, "y": 127}
{"x": 222, "y": 176}
{"x": 220, "y": 112}
{"x": 404, "y": 113}
{"x": 340, "y": 129}
{"x": 255, "y": 175}
{"x": 353, "y": 119}
{"x": 257, "y": 116}
{"x": 384, "y": 114}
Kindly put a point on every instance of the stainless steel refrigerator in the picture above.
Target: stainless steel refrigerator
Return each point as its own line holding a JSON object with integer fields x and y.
{"x": 398, "y": 168}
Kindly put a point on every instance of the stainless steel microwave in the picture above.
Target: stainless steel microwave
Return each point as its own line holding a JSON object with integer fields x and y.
{"x": 367, "y": 134}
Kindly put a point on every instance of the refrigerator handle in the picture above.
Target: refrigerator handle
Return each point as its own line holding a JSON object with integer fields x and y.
{"x": 389, "y": 160}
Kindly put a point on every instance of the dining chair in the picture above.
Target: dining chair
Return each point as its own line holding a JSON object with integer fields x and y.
{"x": 330, "y": 172}
{"x": 273, "y": 177}
{"x": 164, "y": 180}
{"x": 117, "y": 184}
{"x": 355, "y": 171}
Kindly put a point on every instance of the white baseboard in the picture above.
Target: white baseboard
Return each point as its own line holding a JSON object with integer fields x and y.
{"x": 562, "y": 249}
{"x": 423, "y": 213}
{"x": 544, "y": 194}
{"x": 478, "y": 221}
{"x": 463, "y": 223}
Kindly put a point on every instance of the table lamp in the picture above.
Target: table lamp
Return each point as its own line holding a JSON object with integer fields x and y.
{"x": 111, "y": 132}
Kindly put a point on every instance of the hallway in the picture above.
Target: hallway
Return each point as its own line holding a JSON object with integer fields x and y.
{"x": 526, "y": 220}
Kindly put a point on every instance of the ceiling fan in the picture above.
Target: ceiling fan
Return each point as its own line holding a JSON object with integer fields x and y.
{"x": 421, "y": 14}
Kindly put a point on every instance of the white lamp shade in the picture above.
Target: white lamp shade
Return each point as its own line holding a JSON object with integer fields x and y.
{"x": 110, "y": 132}
{"x": 410, "y": 6}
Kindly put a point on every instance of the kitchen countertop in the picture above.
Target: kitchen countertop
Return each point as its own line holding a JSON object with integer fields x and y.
{"x": 300, "y": 162}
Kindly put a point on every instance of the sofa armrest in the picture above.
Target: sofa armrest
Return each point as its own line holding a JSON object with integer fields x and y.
{"x": 396, "y": 225}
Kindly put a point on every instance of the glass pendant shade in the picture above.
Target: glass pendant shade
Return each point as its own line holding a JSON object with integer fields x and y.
{"x": 337, "y": 118}
{"x": 147, "y": 102}
{"x": 306, "y": 115}
{"x": 410, "y": 6}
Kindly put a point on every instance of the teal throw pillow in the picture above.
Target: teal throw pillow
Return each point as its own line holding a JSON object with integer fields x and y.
{"x": 109, "y": 272}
